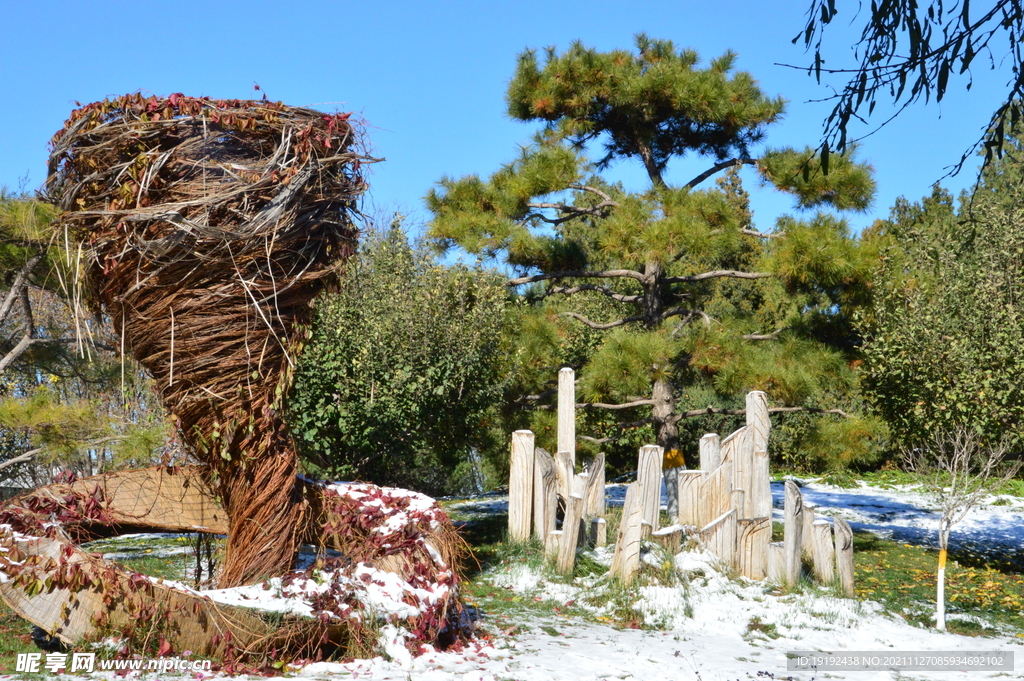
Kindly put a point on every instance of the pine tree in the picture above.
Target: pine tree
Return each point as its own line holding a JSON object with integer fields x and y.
{"x": 697, "y": 302}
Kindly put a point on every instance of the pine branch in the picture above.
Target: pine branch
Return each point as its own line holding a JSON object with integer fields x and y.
{"x": 676, "y": 311}
{"x": 545, "y": 218}
{"x": 605, "y": 199}
{"x": 535, "y": 398}
{"x": 25, "y": 343}
{"x": 579, "y": 274}
{"x": 625, "y": 405}
{"x": 620, "y": 426}
{"x": 20, "y": 281}
{"x": 762, "y": 235}
{"x": 718, "y": 167}
{"x": 21, "y": 458}
{"x": 568, "y": 291}
{"x": 763, "y": 336}
{"x": 745, "y": 231}
{"x": 718, "y": 274}
{"x": 689, "y": 318}
{"x": 638, "y": 402}
{"x": 707, "y": 411}
{"x": 602, "y": 327}
{"x": 574, "y": 211}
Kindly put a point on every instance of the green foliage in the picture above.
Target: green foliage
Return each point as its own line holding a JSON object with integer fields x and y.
{"x": 63, "y": 393}
{"x": 653, "y": 104}
{"x": 945, "y": 334}
{"x": 667, "y": 298}
{"x": 399, "y": 381}
{"x": 844, "y": 184}
{"x": 50, "y": 423}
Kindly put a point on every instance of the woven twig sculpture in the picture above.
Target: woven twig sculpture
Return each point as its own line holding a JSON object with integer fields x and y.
{"x": 205, "y": 229}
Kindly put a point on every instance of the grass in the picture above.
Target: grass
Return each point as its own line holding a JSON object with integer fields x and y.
{"x": 755, "y": 626}
{"x": 899, "y": 576}
{"x": 603, "y": 599}
{"x": 903, "y": 578}
{"x": 15, "y": 637}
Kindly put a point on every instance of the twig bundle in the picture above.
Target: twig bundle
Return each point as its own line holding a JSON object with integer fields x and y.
{"x": 206, "y": 228}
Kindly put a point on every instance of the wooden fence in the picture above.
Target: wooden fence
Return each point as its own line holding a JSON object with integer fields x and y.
{"x": 726, "y": 505}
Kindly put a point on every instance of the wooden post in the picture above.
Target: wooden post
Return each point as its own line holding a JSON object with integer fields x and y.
{"x": 759, "y": 496}
{"x": 570, "y": 534}
{"x": 719, "y": 537}
{"x": 689, "y": 497}
{"x": 730, "y": 444}
{"x": 738, "y": 495}
{"x": 758, "y": 421}
{"x": 807, "y": 532}
{"x": 520, "y": 486}
{"x": 710, "y": 452}
{"x": 595, "y": 506}
{"x": 743, "y": 465}
{"x": 793, "y": 532}
{"x": 551, "y": 544}
{"x": 626, "y": 559}
{"x": 757, "y": 480}
{"x": 715, "y": 494}
{"x": 545, "y": 496}
{"x": 598, "y": 532}
{"x": 844, "y": 556}
{"x": 567, "y": 413}
{"x": 649, "y": 480}
{"x": 565, "y": 473}
{"x": 777, "y": 562}
{"x": 754, "y": 535}
{"x": 824, "y": 551}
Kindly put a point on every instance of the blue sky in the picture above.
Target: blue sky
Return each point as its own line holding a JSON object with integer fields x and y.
{"x": 429, "y": 78}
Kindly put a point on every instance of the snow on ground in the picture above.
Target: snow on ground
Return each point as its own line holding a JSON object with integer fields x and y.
{"x": 906, "y": 514}
{"x": 712, "y": 628}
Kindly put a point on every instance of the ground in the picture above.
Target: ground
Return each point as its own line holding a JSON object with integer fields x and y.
{"x": 688, "y": 618}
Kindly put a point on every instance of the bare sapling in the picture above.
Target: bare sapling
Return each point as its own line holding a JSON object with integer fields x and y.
{"x": 956, "y": 468}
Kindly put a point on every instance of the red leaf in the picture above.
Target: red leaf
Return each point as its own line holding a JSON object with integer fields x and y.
{"x": 165, "y": 647}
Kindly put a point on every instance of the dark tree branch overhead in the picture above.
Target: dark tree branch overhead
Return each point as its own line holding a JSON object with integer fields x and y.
{"x": 908, "y": 51}
{"x": 719, "y": 167}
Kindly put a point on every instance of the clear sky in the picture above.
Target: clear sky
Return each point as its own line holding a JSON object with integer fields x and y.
{"x": 429, "y": 77}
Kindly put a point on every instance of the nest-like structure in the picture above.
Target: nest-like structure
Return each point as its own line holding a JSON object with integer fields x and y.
{"x": 207, "y": 228}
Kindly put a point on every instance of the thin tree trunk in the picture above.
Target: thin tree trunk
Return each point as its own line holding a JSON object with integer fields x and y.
{"x": 940, "y": 599}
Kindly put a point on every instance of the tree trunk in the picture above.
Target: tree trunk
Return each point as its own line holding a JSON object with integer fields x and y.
{"x": 667, "y": 435}
{"x": 663, "y": 409}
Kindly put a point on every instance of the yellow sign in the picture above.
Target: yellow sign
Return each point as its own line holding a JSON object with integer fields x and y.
{"x": 673, "y": 459}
